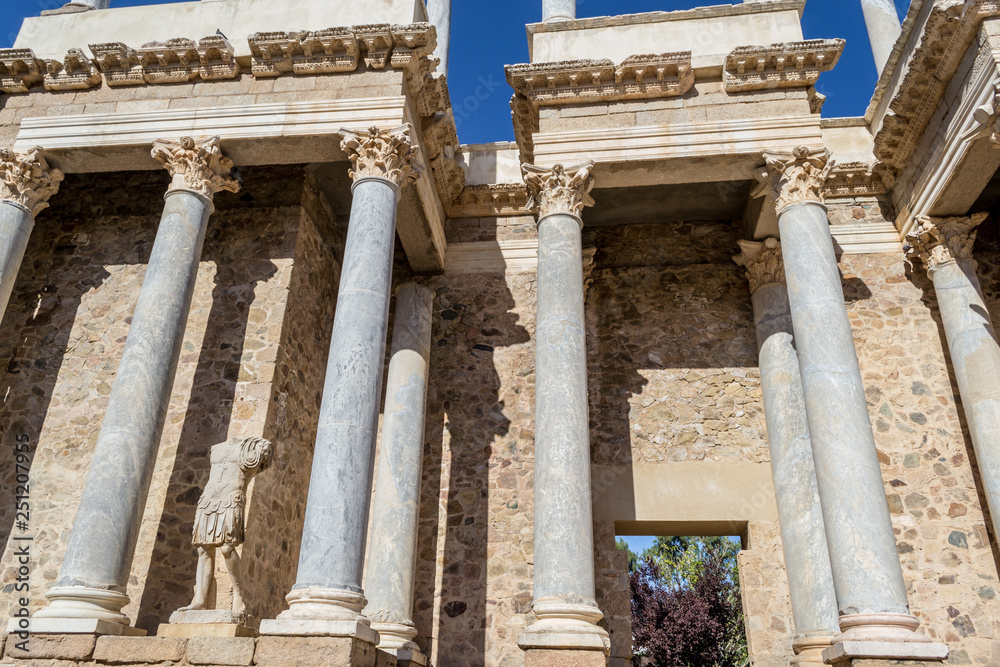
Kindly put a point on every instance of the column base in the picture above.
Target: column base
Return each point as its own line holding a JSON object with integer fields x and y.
{"x": 397, "y": 638}
{"x": 809, "y": 651}
{"x": 82, "y": 610}
{"x": 564, "y": 625}
{"x": 882, "y": 637}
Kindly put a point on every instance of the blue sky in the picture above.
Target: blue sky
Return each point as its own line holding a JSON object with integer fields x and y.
{"x": 487, "y": 34}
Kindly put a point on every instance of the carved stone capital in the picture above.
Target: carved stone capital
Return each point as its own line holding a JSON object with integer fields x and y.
{"x": 796, "y": 177}
{"x": 763, "y": 263}
{"x": 198, "y": 167}
{"x": 385, "y": 154}
{"x": 937, "y": 241}
{"x": 27, "y": 179}
{"x": 559, "y": 189}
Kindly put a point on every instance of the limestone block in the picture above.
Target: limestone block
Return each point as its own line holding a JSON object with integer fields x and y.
{"x": 220, "y": 650}
{"x": 565, "y": 658}
{"x": 61, "y": 647}
{"x": 117, "y": 650}
{"x": 861, "y": 662}
{"x": 277, "y": 651}
{"x": 386, "y": 659}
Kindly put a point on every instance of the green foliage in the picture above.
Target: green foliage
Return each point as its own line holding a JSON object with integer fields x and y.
{"x": 633, "y": 559}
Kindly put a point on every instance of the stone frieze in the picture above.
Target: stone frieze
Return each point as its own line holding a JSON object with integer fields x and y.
{"x": 489, "y": 201}
{"x": 853, "y": 179}
{"x": 787, "y": 65}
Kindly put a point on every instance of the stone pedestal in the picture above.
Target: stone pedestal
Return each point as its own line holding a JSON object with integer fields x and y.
{"x": 551, "y": 658}
{"x": 26, "y": 184}
{"x": 328, "y": 598}
{"x": 207, "y": 623}
{"x": 298, "y": 651}
{"x": 564, "y": 603}
{"x": 95, "y": 571}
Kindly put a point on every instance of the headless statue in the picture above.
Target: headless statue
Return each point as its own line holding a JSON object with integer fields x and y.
{"x": 219, "y": 520}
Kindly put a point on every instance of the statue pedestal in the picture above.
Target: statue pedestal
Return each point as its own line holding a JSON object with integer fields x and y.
{"x": 207, "y": 623}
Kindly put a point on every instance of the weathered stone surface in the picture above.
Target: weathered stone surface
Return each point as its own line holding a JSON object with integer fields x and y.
{"x": 220, "y": 650}
{"x": 295, "y": 651}
{"x": 125, "y": 650}
{"x": 537, "y": 658}
{"x": 61, "y": 647}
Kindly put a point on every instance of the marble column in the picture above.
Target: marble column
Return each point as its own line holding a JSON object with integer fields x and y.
{"x": 392, "y": 550}
{"x": 439, "y": 15}
{"x": 328, "y": 598}
{"x": 90, "y": 591}
{"x": 564, "y": 602}
{"x": 803, "y": 534}
{"x": 26, "y": 184}
{"x": 558, "y": 10}
{"x": 79, "y": 6}
{"x": 944, "y": 246}
{"x": 868, "y": 578}
{"x": 884, "y": 29}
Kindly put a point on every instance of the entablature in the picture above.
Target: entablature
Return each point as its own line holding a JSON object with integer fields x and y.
{"x": 788, "y": 65}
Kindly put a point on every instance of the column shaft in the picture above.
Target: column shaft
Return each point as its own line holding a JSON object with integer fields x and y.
{"x": 439, "y": 14}
{"x": 392, "y": 552}
{"x": 866, "y": 569}
{"x": 16, "y": 223}
{"x": 975, "y": 356}
{"x": 558, "y": 10}
{"x": 106, "y": 528}
{"x": 884, "y": 29}
{"x": 803, "y": 534}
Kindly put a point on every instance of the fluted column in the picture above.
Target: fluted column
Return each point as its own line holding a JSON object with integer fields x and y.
{"x": 558, "y": 10}
{"x": 868, "y": 578}
{"x": 803, "y": 534}
{"x": 564, "y": 595}
{"x": 90, "y": 591}
{"x": 26, "y": 184}
{"x": 328, "y": 598}
{"x": 392, "y": 551}
{"x": 944, "y": 246}
{"x": 882, "y": 23}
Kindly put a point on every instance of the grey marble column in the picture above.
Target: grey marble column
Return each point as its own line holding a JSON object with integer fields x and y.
{"x": 26, "y": 184}
{"x": 884, "y": 29}
{"x": 558, "y": 10}
{"x": 392, "y": 550}
{"x": 328, "y": 598}
{"x": 803, "y": 534}
{"x": 564, "y": 595}
{"x": 439, "y": 15}
{"x": 95, "y": 570}
{"x": 871, "y": 591}
{"x": 944, "y": 246}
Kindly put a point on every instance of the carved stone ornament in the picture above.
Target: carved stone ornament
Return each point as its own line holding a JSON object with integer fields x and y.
{"x": 488, "y": 201}
{"x": 986, "y": 120}
{"x": 763, "y": 263}
{"x": 937, "y": 241}
{"x": 119, "y": 63}
{"x": 27, "y": 179}
{"x": 75, "y": 72}
{"x": 787, "y": 65}
{"x": 219, "y": 521}
{"x": 19, "y": 70}
{"x": 385, "y": 154}
{"x": 199, "y": 167}
{"x": 795, "y": 177}
{"x": 560, "y": 189}
{"x": 853, "y": 179}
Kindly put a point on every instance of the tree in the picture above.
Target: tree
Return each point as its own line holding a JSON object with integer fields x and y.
{"x": 633, "y": 559}
{"x": 686, "y": 609}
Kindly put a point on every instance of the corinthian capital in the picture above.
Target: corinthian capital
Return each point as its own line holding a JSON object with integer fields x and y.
{"x": 385, "y": 154}
{"x": 762, "y": 261}
{"x": 794, "y": 177}
{"x": 937, "y": 241}
{"x": 27, "y": 179}
{"x": 199, "y": 167}
{"x": 559, "y": 189}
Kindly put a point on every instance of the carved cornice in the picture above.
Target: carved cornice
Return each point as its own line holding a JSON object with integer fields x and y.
{"x": 74, "y": 72}
{"x": 796, "y": 177}
{"x": 853, "y": 179}
{"x": 19, "y": 70}
{"x": 27, "y": 179}
{"x": 198, "y": 167}
{"x": 385, "y": 154}
{"x": 786, "y": 65}
{"x": 573, "y": 81}
{"x": 564, "y": 190}
{"x": 490, "y": 201}
{"x": 950, "y": 28}
{"x": 937, "y": 241}
{"x": 320, "y": 52}
{"x": 119, "y": 63}
{"x": 763, "y": 263}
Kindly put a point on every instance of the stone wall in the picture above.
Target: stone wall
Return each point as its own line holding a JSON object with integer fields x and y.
{"x": 259, "y": 320}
